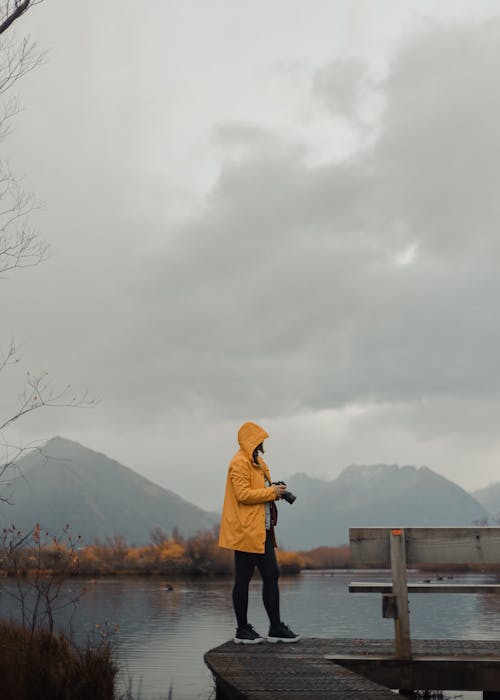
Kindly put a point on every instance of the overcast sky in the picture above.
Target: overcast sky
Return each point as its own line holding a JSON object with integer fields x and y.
{"x": 279, "y": 211}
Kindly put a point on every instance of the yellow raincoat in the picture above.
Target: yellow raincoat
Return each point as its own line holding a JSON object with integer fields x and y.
{"x": 243, "y": 524}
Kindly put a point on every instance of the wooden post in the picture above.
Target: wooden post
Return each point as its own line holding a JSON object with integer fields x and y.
{"x": 400, "y": 591}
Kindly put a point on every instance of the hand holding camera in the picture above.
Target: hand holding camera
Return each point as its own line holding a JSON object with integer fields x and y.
{"x": 283, "y": 493}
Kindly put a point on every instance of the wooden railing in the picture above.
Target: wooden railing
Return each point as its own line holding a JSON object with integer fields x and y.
{"x": 400, "y": 548}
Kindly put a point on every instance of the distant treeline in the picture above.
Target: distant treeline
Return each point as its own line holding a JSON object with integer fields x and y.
{"x": 201, "y": 555}
{"x": 165, "y": 554}
{"x": 196, "y": 555}
{"x": 40, "y": 556}
{"x": 327, "y": 558}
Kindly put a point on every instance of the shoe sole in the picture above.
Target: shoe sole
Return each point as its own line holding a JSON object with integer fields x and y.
{"x": 276, "y": 640}
{"x": 248, "y": 641}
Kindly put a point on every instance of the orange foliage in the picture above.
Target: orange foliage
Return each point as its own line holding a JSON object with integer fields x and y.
{"x": 199, "y": 554}
{"x": 327, "y": 558}
{"x": 172, "y": 551}
{"x": 171, "y": 554}
{"x": 290, "y": 562}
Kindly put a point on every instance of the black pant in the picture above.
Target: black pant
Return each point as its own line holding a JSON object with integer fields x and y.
{"x": 244, "y": 565}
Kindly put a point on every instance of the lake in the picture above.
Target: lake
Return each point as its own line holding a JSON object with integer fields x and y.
{"x": 163, "y": 634}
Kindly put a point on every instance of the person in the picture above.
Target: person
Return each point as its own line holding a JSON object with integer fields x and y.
{"x": 247, "y": 527}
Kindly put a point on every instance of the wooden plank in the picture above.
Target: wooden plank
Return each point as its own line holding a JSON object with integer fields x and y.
{"x": 301, "y": 671}
{"x": 427, "y": 545}
{"x": 386, "y": 587}
{"x": 427, "y": 672}
{"x": 400, "y": 591}
{"x": 279, "y": 672}
{"x": 465, "y": 658}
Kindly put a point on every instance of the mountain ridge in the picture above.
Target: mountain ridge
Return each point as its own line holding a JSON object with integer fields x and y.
{"x": 489, "y": 498}
{"x": 66, "y": 482}
{"x": 372, "y": 495}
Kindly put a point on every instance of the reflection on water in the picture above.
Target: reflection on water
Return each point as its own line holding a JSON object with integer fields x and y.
{"x": 164, "y": 634}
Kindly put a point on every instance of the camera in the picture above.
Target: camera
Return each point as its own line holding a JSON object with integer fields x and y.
{"x": 288, "y": 495}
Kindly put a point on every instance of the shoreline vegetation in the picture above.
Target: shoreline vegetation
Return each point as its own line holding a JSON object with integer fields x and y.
{"x": 38, "y": 554}
{"x": 22, "y": 554}
{"x": 38, "y": 659}
{"x": 39, "y": 663}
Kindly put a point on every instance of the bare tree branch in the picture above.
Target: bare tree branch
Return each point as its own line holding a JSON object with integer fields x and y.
{"x": 9, "y": 467}
{"x": 17, "y": 58}
{"x": 20, "y": 244}
{"x": 37, "y": 393}
{"x": 19, "y": 9}
{"x": 11, "y": 10}
{"x": 10, "y": 357}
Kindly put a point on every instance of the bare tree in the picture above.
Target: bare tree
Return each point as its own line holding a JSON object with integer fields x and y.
{"x": 38, "y": 564}
{"x": 20, "y": 244}
{"x": 37, "y": 393}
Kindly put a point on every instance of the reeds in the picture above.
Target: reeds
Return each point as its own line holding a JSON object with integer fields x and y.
{"x": 41, "y": 664}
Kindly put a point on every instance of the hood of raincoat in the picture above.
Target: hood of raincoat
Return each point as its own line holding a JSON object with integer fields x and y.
{"x": 250, "y": 435}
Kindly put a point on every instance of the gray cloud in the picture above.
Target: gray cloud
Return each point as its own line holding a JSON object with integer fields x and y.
{"x": 342, "y": 85}
{"x": 286, "y": 288}
{"x": 292, "y": 289}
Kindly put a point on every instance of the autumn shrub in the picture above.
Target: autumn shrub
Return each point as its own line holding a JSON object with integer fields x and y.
{"x": 42, "y": 664}
{"x": 197, "y": 555}
{"x": 204, "y": 555}
{"x": 94, "y": 560}
{"x": 166, "y": 554}
{"x": 40, "y": 558}
{"x": 290, "y": 562}
{"x": 39, "y": 563}
{"x": 37, "y": 660}
{"x": 327, "y": 558}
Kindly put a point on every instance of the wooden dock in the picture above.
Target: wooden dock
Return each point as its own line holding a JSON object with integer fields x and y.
{"x": 324, "y": 669}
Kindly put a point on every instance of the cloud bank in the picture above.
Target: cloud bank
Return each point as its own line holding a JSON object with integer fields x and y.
{"x": 362, "y": 290}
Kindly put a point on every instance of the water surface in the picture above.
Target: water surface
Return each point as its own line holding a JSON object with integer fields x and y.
{"x": 163, "y": 634}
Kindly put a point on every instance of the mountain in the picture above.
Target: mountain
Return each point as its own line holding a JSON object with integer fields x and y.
{"x": 489, "y": 498}
{"x": 96, "y": 496}
{"x": 378, "y": 495}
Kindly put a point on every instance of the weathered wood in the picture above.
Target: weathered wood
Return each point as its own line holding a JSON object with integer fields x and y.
{"x": 386, "y": 587}
{"x": 426, "y": 672}
{"x": 400, "y": 592}
{"x": 389, "y": 606}
{"x": 284, "y": 671}
{"x": 377, "y": 547}
{"x": 301, "y": 671}
{"x": 436, "y": 545}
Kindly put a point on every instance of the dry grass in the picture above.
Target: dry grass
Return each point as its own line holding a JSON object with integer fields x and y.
{"x": 41, "y": 665}
{"x": 327, "y": 557}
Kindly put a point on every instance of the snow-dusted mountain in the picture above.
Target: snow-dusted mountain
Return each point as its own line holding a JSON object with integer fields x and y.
{"x": 378, "y": 495}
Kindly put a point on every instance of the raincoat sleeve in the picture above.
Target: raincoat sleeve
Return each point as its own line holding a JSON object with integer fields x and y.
{"x": 241, "y": 481}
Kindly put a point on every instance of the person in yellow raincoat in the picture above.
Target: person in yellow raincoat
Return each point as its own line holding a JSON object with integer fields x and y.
{"x": 247, "y": 526}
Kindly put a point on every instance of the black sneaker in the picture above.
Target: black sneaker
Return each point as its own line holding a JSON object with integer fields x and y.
{"x": 247, "y": 635}
{"x": 282, "y": 633}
